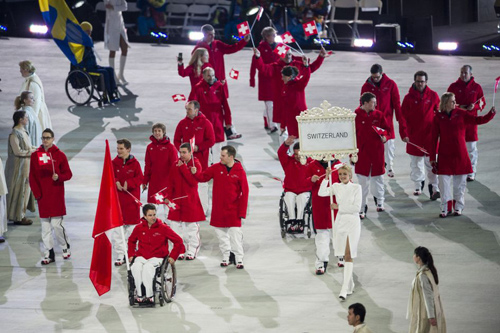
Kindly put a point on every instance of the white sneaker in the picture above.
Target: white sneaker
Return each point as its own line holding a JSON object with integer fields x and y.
{"x": 390, "y": 173}
{"x": 340, "y": 263}
{"x": 66, "y": 253}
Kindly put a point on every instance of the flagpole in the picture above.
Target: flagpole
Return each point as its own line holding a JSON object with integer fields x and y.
{"x": 125, "y": 247}
{"x": 330, "y": 185}
{"x": 53, "y": 168}
{"x": 299, "y": 48}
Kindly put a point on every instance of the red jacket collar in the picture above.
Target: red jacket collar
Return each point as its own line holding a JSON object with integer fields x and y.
{"x": 164, "y": 141}
{"x": 52, "y": 149}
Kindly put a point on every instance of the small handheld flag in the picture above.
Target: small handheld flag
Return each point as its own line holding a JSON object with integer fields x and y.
{"x": 379, "y": 131}
{"x": 423, "y": 150}
{"x": 43, "y": 158}
{"x": 259, "y": 14}
{"x": 243, "y": 29}
{"x": 281, "y": 50}
{"x": 192, "y": 143}
{"x": 287, "y": 38}
{"x": 178, "y": 97}
{"x": 310, "y": 28}
{"x": 234, "y": 74}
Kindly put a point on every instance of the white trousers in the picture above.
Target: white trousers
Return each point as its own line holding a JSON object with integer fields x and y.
{"x": 230, "y": 240}
{"x": 389, "y": 151}
{"x": 473, "y": 155}
{"x": 190, "y": 233}
{"x": 3, "y": 214}
{"x": 456, "y": 193}
{"x": 268, "y": 114}
{"x": 376, "y": 187}
{"x": 119, "y": 247}
{"x": 56, "y": 224}
{"x": 419, "y": 166}
{"x": 292, "y": 199}
{"x": 322, "y": 241}
{"x": 216, "y": 148}
{"x": 283, "y": 136}
{"x": 203, "y": 194}
{"x": 143, "y": 271}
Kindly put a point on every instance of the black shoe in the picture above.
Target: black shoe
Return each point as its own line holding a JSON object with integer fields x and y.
{"x": 325, "y": 264}
{"x": 375, "y": 199}
{"x": 274, "y": 130}
{"x": 422, "y": 185}
{"x": 366, "y": 209}
{"x": 430, "y": 190}
{"x": 232, "y": 258}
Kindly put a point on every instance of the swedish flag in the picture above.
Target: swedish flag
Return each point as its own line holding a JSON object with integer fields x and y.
{"x": 65, "y": 29}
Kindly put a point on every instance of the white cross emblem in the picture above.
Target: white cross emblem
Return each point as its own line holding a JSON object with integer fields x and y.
{"x": 310, "y": 28}
{"x": 159, "y": 197}
{"x": 243, "y": 29}
{"x": 178, "y": 97}
{"x": 282, "y": 50}
{"x": 44, "y": 158}
{"x": 287, "y": 38}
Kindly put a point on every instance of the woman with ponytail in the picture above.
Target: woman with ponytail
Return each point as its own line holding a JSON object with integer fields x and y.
{"x": 25, "y": 102}
{"x": 199, "y": 61}
{"x": 424, "y": 307}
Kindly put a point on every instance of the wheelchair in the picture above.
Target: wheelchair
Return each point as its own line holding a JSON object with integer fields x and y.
{"x": 164, "y": 284}
{"x": 83, "y": 86}
{"x": 307, "y": 218}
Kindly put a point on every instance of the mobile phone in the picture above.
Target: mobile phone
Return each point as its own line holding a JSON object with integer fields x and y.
{"x": 179, "y": 57}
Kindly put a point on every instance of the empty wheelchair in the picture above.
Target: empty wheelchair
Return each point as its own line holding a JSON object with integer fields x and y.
{"x": 164, "y": 285}
{"x": 300, "y": 227}
{"x": 83, "y": 86}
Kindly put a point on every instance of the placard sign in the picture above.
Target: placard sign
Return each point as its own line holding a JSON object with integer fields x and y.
{"x": 327, "y": 130}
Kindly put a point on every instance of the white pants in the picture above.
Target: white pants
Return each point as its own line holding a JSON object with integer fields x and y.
{"x": 283, "y": 136}
{"x": 216, "y": 148}
{"x": 268, "y": 114}
{"x": 419, "y": 166}
{"x": 143, "y": 271}
{"x": 322, "y": 241}
{"x": 389, "y": 150}
{"x": 473, "y": 155}
{"x": 3, "y": 214}
{"x": 292, "y": 199}
{"x": 230, "y": 240}
{"x": 376, "y": 188}
{"x": 118, "y": 246}
{"x": 55, "y": 223}
{"x": 190, "y": 233}
{"x": 203, "y": 194}
{"x": 458, "y": 191}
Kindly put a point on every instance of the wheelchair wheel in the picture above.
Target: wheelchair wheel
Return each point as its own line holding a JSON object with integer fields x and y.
{"x": 131, "y": 289}
{"x": 168, "y": 281}
{"x": 79, "y": 87}
{"x": 283, "y": 216}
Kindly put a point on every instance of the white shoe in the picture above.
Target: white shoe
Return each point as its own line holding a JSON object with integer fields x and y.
{"x": 390, "y": 173}
{"x": 66, "y": 253}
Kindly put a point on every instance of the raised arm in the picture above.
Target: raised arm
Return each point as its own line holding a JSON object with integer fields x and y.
{"x": 325, "y": 190}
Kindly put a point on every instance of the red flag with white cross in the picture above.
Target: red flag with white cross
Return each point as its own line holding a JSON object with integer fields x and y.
{"x": 287, "y": 38}
{"x": 234, "y": 74}
{"x": 43, "y": 158}
{"x": 310, "y": 28}
{"x": 379, "y": 131}
{"x": 178, "y": 97}
{"x": 243, "y": 29}
{"x": 281, "y": 50}
{"x": 159, "y": 198}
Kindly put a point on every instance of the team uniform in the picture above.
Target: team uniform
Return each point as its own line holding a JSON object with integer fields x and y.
{"x": 194, "y": 77}
{"x": 295, "y": 96}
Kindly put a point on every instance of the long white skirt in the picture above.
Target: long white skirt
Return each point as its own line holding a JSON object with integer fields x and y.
{"x": 347, "y": 225}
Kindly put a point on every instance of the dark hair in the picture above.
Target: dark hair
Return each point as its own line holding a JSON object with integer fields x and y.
{"x": 17, "y": 116}
{"x": 426, "y": 257}
{"x": 125, "y": 142}
{"x": 195, "y": 103}
{"x": 147, "y": 207}
{"x": 296, "y": 145}
{"x": 290, "y": 71}
{"x": 186, "y": 145}
{"x": 420, "y": 73}
{"x": 160, "y": 126}
{"x": 376, "y": 68}
{"x": 359, "y": 310}
{"x": 231, "y": 151}
{"x": 367, "y": 97}
{"x": 48, "y": 130}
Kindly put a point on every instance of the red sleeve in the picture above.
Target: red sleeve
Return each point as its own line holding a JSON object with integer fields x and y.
{"x": 64, "y": 170}
{"x": 253, "y": 70}
{"x": 176, "y": 241}
{"x": 316, "y": 64}
{"x": 243, "y": 201}
{"x": 34, "y": 184}
{"x": 174, "y": 154}
{"x": 138, "y": 178}
{"x": 266, "y": 69}
{"x": 184, "y": 71}
{"x": 227, "y": 110}
{"x": 206, "y": 175}
{"x": 177, "y": 136}
{"x": 479, "y": 120}
{"x": 147, "y": 167}
{"x": 479, "y": 95}
{"x": 208, "y": 137}
{"x": 132, "y": 242}
{"x": 169, "y": 192}
{"x": 229, "y": 49}
{"x": 302, "y": 83}
{"x": 396, "y": 100}
{"x": 434, "y": 140}
{"x": 405, "y": 108}
{"x": 283, "y": 156}
{"x": 186, "y": 174}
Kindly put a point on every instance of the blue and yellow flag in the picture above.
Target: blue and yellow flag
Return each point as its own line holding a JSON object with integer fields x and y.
{"x": 65, "y": 29}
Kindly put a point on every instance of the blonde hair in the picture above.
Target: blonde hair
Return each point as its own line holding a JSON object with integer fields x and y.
{"x": 347, "y": 168}
{"x": 196, "y": 60}
{"x": 19, "y": 101}
{"x": 444, "y": 100}
{"x": 267, "y": 31}
{"x": 27, "y": 66}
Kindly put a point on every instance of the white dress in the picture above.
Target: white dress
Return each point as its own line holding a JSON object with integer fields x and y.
{"x": 33, "y": 128}
{"x": 34, "y": 84}
{"x": 115, "y": 27}
{"x": 347, "y": 222}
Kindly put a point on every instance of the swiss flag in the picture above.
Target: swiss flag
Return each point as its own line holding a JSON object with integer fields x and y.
{"x": 287, "y": 38}
{"x": 43, "y": 158}
{"x": 234, "y": 74}
{"x": 379, "y": 131}
{"x": 191, "y": 142}
{"x": 178, "y": 97}
{"x": 497, "y": 80}
{"x": 243, "y": 29}
{"x": 281, "y": 50}
{"x": 259, "y": 14}
{"x": 159, "y": 198}
{"x": 310, "y": 28}
{"x": 482, "y": 103}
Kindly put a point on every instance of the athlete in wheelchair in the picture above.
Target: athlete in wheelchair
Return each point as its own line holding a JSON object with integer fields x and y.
{"x": 152, "y": 266}
{"x": 88, "y": 78}
{"x": 295, "y": 203}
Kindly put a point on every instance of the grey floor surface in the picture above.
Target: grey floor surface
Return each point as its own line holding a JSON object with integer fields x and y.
{"x": 278, "y": 290}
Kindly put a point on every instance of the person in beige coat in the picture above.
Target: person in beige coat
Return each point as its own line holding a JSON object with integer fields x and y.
{"x": 356, "y": 318}
{"x": 425, "y": 310}
{"x": 33, "y": 83}
{"x": 3, "y": 203}
{"x": 17, "y": 169}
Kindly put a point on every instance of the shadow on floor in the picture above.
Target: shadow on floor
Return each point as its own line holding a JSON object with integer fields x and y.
{"x": 486, "y": 197}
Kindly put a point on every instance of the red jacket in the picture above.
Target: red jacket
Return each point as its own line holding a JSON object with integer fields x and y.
{"x": 465, "y": 95}
{"x": 160, "y": 155}
{"x": 322, "y": 215}
{"x": 265, "y": 83}
{"x": 202, "y": 130}
{"x": 49, "y": 193}
{"x": 370, "y": 146}
{"x": 388, "y": 100}
{"x": 131, "y": 173}
{"x": 214, "y": 105}
{"x": 294, "y": 93}
{"x": 153, "y": 242}
{"x": 418, "y": 111}
{"x": 216, "y": 52}
{"x": 273, "y": 71}
{"x": 181, "y": 183}
{"x": 295, "y": 172}
{"x": 453, "y": 158}
{"x": 193, "y": 77}
{"x": 230, "y": 194}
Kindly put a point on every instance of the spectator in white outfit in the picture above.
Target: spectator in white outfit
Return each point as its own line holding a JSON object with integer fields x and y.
{"x": 115, "y": 35}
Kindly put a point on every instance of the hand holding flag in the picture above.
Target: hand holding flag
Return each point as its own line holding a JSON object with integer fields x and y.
{"x": 497, "y": 80}
{"x": 243, "y": 29}
{"x": 178, "y": 97}
{"x": 234, "y": 74}
{"x": 381, "y": 132}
